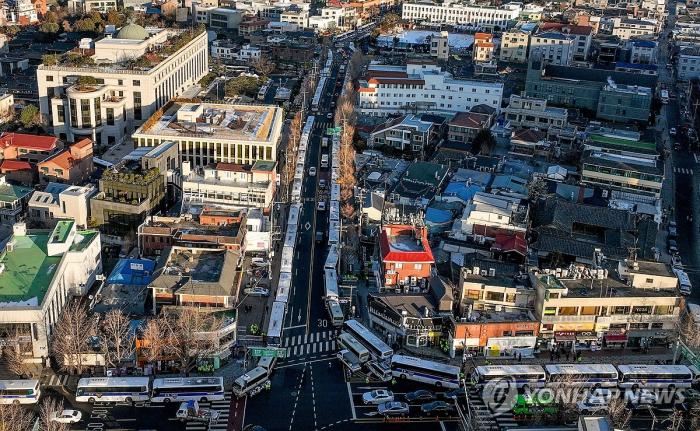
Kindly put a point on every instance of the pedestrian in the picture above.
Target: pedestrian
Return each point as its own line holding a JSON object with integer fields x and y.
{"x": 367, "y": 380}
{"x": 329, "y": 365}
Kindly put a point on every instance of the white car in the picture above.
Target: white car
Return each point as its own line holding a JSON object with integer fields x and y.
{"x": 641, "y": 397}
{"x": 67, "y": 417}
{"x": 256, "y": 291}
{"x": 672, "y": 132}
{"x": 330, "y": 115}
{"x": 312, "y": 171}
{"x": 321, "y": 206}
{"x": 597, "y": 402}
{"x": 378, "y": 396}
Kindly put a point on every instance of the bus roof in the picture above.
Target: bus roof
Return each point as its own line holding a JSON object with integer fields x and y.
{"x": 367, "y": 336}
{"x": 438, "y": 366}
{"x": 252, "y": 374}
{"x": 579, "y": 368}
{"x": 18, "y": 384}
{"x": 631, "y": 368}
{"x": 169, "y": 382}
{"x": 488, "y": 370}
{"x": 350, "y": 341}
{"x": 104, "y": 381}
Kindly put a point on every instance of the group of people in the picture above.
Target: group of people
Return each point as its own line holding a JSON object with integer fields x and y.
{"x": 557, "y": 353}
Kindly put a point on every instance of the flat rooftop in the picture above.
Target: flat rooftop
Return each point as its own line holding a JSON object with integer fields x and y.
{"x": 27, "y": 270}
{"x": 61, "y": 231}
{"x": 626, "y": 144}
{"x": 404, "y": 243}
{"x": 203, "y": 266}
{"x": 611, "y": 288}
{"x": 215, "y": 122}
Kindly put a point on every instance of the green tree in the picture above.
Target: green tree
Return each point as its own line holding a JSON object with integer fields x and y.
{"x": 85, "y": 25}
{"x": 29, "y": 116}
{"x": 483, "y": 143}
{"x": 50, "y": 59}
{"x": 10, "y": 30}
{"x": 49, "y": 27}
{"x": 243, "y": 85}
{"x": 114, "y": 18}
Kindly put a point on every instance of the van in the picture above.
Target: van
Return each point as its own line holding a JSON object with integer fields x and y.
{"x": 259, "y": 261}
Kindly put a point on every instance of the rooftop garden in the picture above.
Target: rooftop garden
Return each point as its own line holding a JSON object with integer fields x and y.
{"x": 139, "y": 179}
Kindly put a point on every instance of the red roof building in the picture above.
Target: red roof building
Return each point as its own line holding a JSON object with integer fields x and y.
{"x": 406, "y": 258}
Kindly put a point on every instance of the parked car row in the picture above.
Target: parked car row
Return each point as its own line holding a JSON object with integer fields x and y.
{"x": 387, "y": 405}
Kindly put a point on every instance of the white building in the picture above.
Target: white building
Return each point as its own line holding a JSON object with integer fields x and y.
{"x": 344, "y": 17}
{"x": 422, "y": 88}
{"x": 84, "y": 6}
{"x": 627, "y": 28}
{"x": 688, "y": 65}
{"x": 487, "y": 215}
{"x": 229, "y": 185}
{"x": 135, "y": 75}
{"x": 643, "y": 51}
{"x": 514, "y": 46}
{"x": 212, "y": 133}
{"x": 553, "y": 47}
{"x": 224, "y": 49}
{"x": 219, "y": 17}
{"x": 297, "y": 17}
{"x": 317, "y": 22}
{"x": 41, "y": 270}
{"x": 450, "y": 12}
{"x": 7, "y": 107}
{"x": 59, "y": 202}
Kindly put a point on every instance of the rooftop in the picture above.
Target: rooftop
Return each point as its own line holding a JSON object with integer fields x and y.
{"x": 627, "y": 163}
{"x": 11, "y": 192}
{"x": 402, "y": 243}
{"x": 621, "y": 143}
{"x": 215, "y": 121}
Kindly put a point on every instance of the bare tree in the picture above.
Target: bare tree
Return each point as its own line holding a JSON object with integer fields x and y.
{"x": 192, "y": 335}
{"x": 688, "y": 331}
{"x": 14, "y": 417}
{"x": 47, "y": 410}
{"x": 263, "y": 66}
{"x": 291, "y": 153}
{"x": 348, "y": 211}
{"x": 619, "y": 413}
{"x": 357, "y": 64}
{"x": 153, "y": 339}
{"x": 118, "y": 337}
{"x": 70, "y": 338}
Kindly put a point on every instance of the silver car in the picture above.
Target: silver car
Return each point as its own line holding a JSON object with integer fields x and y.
{"x": 393, "y": 408}
{"x": 378, "y": 396}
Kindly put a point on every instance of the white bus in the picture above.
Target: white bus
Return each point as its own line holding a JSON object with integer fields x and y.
{"x": 335, "y": 312}
{"x": 274, "y": 326}
{"x": 655, "y": 376}
{"x": 665, "y": 97}
{"x": 253, "y": 380}
{"x": 377, "y": 348}
{"x": 523, "y": 376}
{"x": 583, "y": 375}
{"x": 347, "y": 341}
{"x": 19, "y": 391}
{"x": 424, "y": 371}
{"x": 113, "y": 389}
{"x": 201, "y": 389}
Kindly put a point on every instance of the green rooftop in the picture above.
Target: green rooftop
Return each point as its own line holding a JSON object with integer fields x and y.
{"x": 82, "y": 239}
{"x": 263, "y": 165}
{"x": 61, "y": 231}
{"x": 11, "y": 192}
{"x": 643, "y": 146}
{"x": 27, "y": 270}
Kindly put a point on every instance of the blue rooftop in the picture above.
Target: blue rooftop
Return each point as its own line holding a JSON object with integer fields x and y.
{"x": 132, "y": 272}
{"x": 644, "y": 43}
{"x": 435, "y": 215}
{"x": 625, "y": 65}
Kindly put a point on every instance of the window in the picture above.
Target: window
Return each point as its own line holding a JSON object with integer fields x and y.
{"x": 494, "y": 296}
{"x": 568, "y": 311}
{"x": 398, "y": 265}
{"x": 85, "y": 112}
{"x": 49, "y": 78}
{"x": 137, "y": 105}
{"x": 61, "y": 114}
{"x": 642, "y": 309}
{"x": 650, "y": 280}
{"x": 589, "y": 311}
{"x": 474, "y": 294}
{"x": 110, "y": 116}
{"x": 550, "y": 311}
{"x": 136, "y": 83}
{"x": 418, "y": 266}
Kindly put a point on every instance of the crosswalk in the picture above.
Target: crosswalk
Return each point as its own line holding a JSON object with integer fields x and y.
{"x": 310, "y": 344}
{"x": 222, "y": 407}
{"x": 55, "y": 380}
{"x": 484, "y": 418}
{"x": 685, "y": 171}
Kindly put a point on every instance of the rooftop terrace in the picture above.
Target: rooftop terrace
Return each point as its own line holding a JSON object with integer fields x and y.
{"x": 27, "y": 270}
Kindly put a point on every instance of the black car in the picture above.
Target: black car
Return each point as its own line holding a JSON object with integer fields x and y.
{"x": 420, "y": 395}
{"x": 437, "y": 408}
{"x": 451, "y": 395}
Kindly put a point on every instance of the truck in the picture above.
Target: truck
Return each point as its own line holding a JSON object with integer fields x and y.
{"x": 190, "y": 411}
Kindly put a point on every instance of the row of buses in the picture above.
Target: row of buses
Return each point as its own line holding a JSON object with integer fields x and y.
{"x": 634, "y": 376}
{"x": 122, "y": 389}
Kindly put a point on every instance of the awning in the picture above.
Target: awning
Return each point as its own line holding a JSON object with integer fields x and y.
{"x": 616, "y": 338}
{"x": 564, "y": 337}
{"x": 650, "y": 333}
{"x": 586, "y": 337}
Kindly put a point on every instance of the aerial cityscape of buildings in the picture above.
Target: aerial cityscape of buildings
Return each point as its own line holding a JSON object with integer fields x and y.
{"x": 317, "y": 215}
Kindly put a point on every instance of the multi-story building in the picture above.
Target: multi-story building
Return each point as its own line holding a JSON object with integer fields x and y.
{"x": 13, "y": 202}
{"x": 229, "y": 185}
{"x": 208, "y": 133}
{"x": 106, "y": 93}
{"x": 534, "y": 113}
{"x": 408, "y": 133}
{"x": 424, "y": 88}
{"x": 582, "y": 35}
{"x": 219, "y": 17}
{"x": 158, "y": 233}
{"x": 41, "y": 271}
{"x": 464, "y": 126}
{"x": 589, "y": 310}
{"x": 635, "y": 175}
{"x": 85, "y": 6}
{"x": 586, "y": 88}
{"x": 643, "y": 51}
{"x": 628, "y": 28}
{"x": 22, "y": 12}
{"x": 487, "y": 215}
{"x": 72, "y": 165}
{"x": 688, "y": 65}
{"x": 553, "y": 47}
{"x": 507, "y": 334}
{"x": 450, "y": 12}
{"x": 439, "y": 46}
{"x": 406, "y": 257}
{"x": 484, "y": 48}
{"x": 59, "y": 202}
{"x": 297, "y": 17}
{"x": 515, "y": 44}
{"x": 7, "y": 107}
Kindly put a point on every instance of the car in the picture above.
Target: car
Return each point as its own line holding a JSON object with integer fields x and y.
{"x": 330, "y": 115}
{"x": 437, "y": 408}
{"x": 67, "y": 416}
{"x": 672, "y": 246}
{"x": 312, "y": 171}
{"x": 641, "y": 398}
{"x": 259, "y": 262}
{"x": 321, "y": 206}
{"x": 420, "y": 395}
{"x": 452, "y": 395}
{"x": 597, "y": 402}
{"x": 322, "y": 184}
{"x": 672, "y": 131}
{"x": 378, "y": 396}
{"x": 256, "y": 291}
{"x": 393, "y": 408}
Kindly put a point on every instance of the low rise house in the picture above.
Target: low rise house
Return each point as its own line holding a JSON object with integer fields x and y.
{"x": 42, "y": 270}
{"x": 515, "y": 44}
{"x": 628, "y": 28}
{"x": 530, "y": 112}
{"x": 495, "y": 334}
{"x": 73, "y": 165}
{"x": 406, "y": 259}
{"x": 407, "y": 133}
{"x": 629, "y": 174}
{"x": 529, "y": 143}
{"x": 553, "y": 47}
{"x": 466, "y": 125}
{"x": 643, "y": 51}
{"x": 484, "y": 48}
{"x": 13, "y": 202}
{"x": 487, "y": 215}
{"x": 61, "y": 201}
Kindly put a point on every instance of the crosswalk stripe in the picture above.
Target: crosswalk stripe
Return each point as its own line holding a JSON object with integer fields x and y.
{"x": 313, "y": 348}
{"x": 289, "y": 351}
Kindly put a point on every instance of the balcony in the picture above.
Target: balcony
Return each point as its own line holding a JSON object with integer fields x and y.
{"x": 568, "y": 319}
